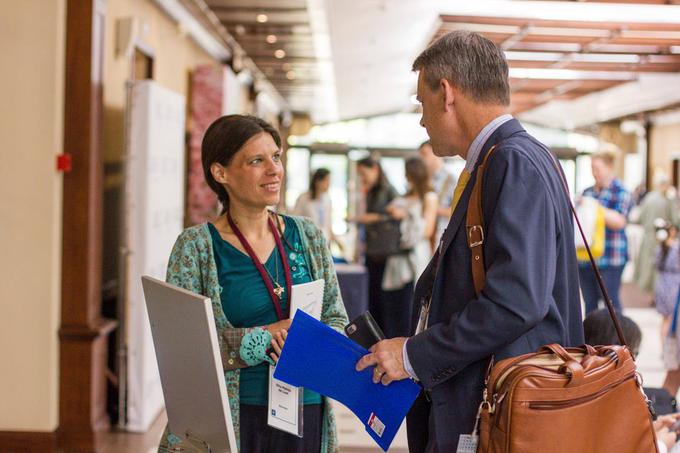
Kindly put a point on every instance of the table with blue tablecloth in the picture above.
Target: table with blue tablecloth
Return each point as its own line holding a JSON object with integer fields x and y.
{"x": 353, "y": 281}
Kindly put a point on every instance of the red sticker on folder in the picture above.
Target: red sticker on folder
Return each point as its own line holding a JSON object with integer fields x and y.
{"x": 376, "y": 425}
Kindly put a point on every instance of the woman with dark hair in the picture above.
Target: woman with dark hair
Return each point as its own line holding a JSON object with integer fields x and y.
{"x": 246, "y": 261}
{"x": 417, "y": 213}
{"x": 379, "y": 193}
{"x": 316, "y": 204}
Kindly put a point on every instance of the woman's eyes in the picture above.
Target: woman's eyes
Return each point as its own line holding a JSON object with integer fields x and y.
{"x": 276, "y": 158}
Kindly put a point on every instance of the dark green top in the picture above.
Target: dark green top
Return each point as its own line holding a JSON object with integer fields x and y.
{"x": 246, "y": 301}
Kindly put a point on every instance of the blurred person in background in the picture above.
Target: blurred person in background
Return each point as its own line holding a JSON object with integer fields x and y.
{"x": 379, "y": 193}
{"x": 316, "y": 203}
{"x": 417, "y": 213}
{"x": 658, "y": 205}
{"x": 617, "y": 202}
{"x": 443, "y": 183}
{"x": 668, "y": 267}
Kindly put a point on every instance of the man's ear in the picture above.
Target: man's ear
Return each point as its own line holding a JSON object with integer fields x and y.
{"x": 447, "y": 91}
{"x": 218, "y": 173}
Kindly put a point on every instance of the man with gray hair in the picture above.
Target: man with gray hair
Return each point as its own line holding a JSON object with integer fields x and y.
{"x": 530, "y": 296}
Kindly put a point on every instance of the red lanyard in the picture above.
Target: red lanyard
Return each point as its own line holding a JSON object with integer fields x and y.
{"x": 260, "y": 267}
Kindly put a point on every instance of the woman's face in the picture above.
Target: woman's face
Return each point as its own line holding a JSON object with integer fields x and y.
{"x": 323, "y": 184}
{"x": 253, "y": 178}
{"x": 368, "y": 175}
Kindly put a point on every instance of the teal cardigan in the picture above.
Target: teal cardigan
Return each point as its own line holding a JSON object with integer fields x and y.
{"x": 192, "y": 266}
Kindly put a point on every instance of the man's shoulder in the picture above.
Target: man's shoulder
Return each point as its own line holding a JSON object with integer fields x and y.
{"x": 520, "y": 149}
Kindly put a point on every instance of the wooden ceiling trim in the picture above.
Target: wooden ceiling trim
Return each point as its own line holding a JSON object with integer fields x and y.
{"x": 550, "y": 23}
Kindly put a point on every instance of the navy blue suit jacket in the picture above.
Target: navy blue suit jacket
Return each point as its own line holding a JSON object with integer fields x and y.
{"x": 531, "y": 296}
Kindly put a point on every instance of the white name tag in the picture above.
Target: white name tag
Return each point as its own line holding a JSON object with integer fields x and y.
{"x": 285, "y": 406}
{"x": 467, "y": 443}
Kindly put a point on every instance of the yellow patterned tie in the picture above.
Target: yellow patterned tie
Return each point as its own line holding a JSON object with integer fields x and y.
{"x": 460, "y": 186}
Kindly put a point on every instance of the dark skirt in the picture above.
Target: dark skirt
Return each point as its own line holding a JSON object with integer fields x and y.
{"x": 391, "y": 309}
{"x": 258, "y": 437}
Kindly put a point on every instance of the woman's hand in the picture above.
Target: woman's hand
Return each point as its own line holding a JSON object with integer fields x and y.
{"x": 278, "y": 326}
{"x": 277, "y": 344}
{"x": 396, "y": 212}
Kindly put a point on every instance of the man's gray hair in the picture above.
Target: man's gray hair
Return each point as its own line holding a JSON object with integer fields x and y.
{"x": 470, "y": 61}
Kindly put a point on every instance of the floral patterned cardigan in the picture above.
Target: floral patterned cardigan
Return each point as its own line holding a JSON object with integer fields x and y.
{"x": 192, "y": 266}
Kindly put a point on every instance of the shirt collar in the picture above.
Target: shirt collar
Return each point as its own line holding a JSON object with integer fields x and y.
{"x": 481, "y": 138}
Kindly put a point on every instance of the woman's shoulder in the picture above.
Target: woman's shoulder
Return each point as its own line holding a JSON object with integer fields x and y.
{"x": 197, "y": 234}
{"x": 304, "y": 197}
{"x": 304, "y": 224}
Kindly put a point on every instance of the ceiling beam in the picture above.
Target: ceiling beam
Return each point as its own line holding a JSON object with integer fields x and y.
{"x": 258, "y": 9}
{"x": 517, "y": 37}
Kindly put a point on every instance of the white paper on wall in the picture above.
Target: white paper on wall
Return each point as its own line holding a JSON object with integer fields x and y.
{"x": 231, "y": 93}
{"x": 155, "y": 212}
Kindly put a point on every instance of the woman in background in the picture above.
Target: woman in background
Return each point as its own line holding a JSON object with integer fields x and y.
{"x": 316, "y": 204}
{"x": 379, "y": 193}
{"x": 417, "y": 213}
{"x": 246, "y": 261}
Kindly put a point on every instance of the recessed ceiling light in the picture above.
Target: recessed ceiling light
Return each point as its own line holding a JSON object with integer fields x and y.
{"x": 262, "y": 18}
{"x": 240, "y": 29}
{"x": 290, "y": 75}
{"x": 280, "y": 53}
{"x": 271, "y": 39}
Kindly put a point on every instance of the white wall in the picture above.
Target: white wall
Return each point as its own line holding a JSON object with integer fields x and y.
{"x": 32, "y": 40}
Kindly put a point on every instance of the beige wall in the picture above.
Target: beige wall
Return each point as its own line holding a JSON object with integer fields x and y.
{"x": 665, "y": 146}
{"x": 31, "y": 55}
{"x": 627, "y": 143}
{"x": 175, "y": 56}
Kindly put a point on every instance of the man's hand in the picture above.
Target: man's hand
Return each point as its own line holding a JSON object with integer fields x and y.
{"x": 387, "y": 357}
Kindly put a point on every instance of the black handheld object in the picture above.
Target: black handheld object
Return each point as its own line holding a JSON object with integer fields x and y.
{"x": 364, "y": 331}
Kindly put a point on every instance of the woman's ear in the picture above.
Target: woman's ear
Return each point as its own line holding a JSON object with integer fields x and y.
{"x": 219, "y": 173}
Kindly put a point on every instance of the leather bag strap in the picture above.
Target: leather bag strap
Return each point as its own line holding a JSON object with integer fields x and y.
{"x": 474, "y": 224}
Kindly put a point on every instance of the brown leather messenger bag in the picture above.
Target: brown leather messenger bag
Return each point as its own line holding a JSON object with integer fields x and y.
{"x": 559, "y": 400}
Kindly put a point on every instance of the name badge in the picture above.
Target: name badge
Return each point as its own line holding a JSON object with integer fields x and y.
{"x": 467, "y": 443}
{"x": 285, "y": 406}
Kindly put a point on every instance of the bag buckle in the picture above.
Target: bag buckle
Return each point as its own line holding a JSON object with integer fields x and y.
{"x": 472, "y": 230}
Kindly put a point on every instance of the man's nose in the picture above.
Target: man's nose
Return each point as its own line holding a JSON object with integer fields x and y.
{"x": 422, "y": 123}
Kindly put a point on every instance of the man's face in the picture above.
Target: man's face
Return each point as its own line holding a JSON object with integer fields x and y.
{"x": 434, "y": 117}
{"x": 601, "y": 172}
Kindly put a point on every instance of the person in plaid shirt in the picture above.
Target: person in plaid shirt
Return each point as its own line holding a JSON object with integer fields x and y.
{"x": 617, "y": 202}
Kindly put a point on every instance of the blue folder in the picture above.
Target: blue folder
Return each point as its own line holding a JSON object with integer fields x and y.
{"x": 319, "y": 358}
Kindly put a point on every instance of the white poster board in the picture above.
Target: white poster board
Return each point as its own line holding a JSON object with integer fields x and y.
{"x": 155, "y": 213}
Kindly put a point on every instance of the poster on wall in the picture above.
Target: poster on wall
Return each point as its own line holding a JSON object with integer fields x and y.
{"x": 155, "y": 213}
{"x": 215, "y": 91}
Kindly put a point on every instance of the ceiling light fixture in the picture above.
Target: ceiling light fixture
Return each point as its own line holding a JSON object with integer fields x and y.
{"x": 271, "y": 39}
{"x": 290, "y": 75}
{"x": 280, "y": 53}
{"x": 262, "y": 18}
